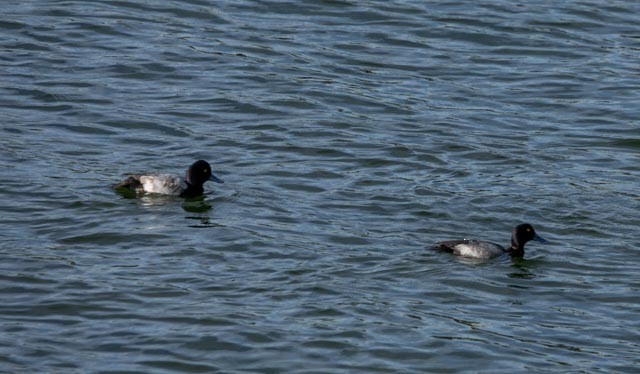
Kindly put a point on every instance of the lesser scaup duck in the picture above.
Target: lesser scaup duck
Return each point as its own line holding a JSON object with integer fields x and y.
{"x": 191, "y": 186}
{"x": 480, "y": 249}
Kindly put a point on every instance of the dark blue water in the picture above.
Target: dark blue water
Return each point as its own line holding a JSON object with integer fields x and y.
{"x": 351, "y": 135}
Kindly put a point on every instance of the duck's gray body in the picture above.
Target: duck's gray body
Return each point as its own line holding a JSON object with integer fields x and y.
{"x": 471, "y": 248}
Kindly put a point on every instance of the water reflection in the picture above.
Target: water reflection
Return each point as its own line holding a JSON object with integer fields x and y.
{"x": 523, "y": 267}
{"x": 126, "y": 193}
{"x": 153, "y": 200}
{"x": 204, "y": 221}
{"x": 191, "y": 205}
{"x": 196, "y": 205}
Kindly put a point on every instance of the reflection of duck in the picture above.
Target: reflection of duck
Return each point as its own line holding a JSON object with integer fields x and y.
{"x": 197, "y": 174}
{"x": 196, "y": 205}
{"x": 480, "y": 249}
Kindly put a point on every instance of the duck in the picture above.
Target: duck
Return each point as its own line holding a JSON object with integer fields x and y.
{"x": 479, "y": 249}
{"x": 167, "y": 184}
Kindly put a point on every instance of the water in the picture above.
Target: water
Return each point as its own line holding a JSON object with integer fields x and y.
{"x": 351, "y": 135}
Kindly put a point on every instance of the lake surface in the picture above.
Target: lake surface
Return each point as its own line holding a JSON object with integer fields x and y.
{"x": 351, "y": 135}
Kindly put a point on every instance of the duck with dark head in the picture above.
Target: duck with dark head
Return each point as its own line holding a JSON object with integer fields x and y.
{"x": 520, "y": 235}
{"x": 166, "y": 184}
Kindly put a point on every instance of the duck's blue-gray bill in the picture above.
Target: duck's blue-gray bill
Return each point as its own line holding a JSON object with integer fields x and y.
{"x": 539, "y": 239}
{"x": 213, "y": 178}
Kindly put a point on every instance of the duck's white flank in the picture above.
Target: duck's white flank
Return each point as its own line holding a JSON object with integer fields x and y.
{"x": 165, "y": 184}
{"x": 477, "y": 249}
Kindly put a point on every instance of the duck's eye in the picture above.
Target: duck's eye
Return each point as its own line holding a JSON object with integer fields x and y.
{"x": 528, "y": 230}
{"x": 206, "y": 171}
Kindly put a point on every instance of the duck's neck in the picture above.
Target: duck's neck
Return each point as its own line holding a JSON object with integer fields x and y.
{"x": 516, "y": 249}
{"x": 192, "y": 190}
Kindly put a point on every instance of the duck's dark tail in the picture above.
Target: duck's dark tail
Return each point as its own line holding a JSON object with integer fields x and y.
{"x": 132, "y": 183}
{"x": 449, "y": 245}
{"x": 445, "y": 246}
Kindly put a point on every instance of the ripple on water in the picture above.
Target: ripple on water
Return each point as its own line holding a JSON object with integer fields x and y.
{"x": 351, "y": 136}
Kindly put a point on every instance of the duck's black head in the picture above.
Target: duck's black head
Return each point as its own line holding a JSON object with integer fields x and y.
{"x": 520, "y": 236}
{"x": 200, "y": 172}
